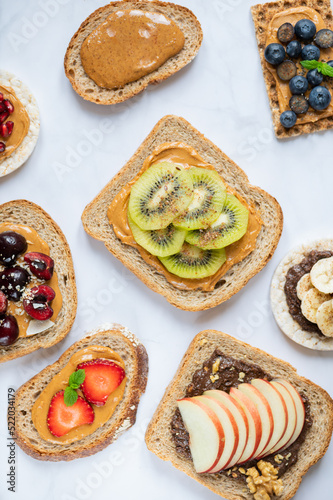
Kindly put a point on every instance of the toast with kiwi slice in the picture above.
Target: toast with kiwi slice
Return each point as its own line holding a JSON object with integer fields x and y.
{"x": 173, "y": 129}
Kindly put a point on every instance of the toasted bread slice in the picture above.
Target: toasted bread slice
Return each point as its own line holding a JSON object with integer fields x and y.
{"x": 159, "y": 438}
{"x": 27, "y": 213}
{"x": 175, "y": 129}
{"x": 133, "y": 353}
{"x": 90, "y": 91}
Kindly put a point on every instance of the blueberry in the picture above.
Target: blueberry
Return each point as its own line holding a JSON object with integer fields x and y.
{"x": 314, "y": 77}
{"x": 298, "y": 85}
{"x": 286, "y": 70}
{"x": 324, "y": 38}
{"x": 310, "y": 52}
{"x": 319, "y": 98}
{"x": 330, "y": 63}
{"x": 294, "y": 49}
{"x": 305, "y": 29}
{"x": 299, "y": 104}
{"x": 288, "y": 119}
{"x": 286, "y": 32}
{"x": 275, "y": 53}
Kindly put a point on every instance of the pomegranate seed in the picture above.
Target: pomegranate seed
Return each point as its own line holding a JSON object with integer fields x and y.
{"x": 9, "y": 106}
{"x": 3, "y": 107}
{"x": 6, "y": 129}
{"x": 3, "y": 116}
{"x": 1, "y": 96}
{"x": 2, "y": 147}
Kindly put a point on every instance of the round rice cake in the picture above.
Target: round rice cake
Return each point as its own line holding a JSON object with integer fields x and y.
{"x": 279, "y": 302}
{"x": 22, "y": 153}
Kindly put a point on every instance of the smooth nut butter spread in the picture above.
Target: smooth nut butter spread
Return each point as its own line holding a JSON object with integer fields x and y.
{"x": 60, "y": 381}
{"x": 35, "y": 244}
{"x": 292, "y": 16}
{"x": 187, "y": 157}
{"x": 21, "y": 121}
{"x": 128, "y": 45}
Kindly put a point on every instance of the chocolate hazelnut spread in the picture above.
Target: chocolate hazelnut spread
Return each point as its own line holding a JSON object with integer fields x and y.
{"x": 128, "y": 45}
{"x": 292, "y": 16}
{"x": 294, "y": 274}
{"x": 60, "y": 381}
{"x": 186, "y": 156}
{"x": 21, "y": 121}
{"x": 35, "y": 244}
{"x": 231, "y": 373}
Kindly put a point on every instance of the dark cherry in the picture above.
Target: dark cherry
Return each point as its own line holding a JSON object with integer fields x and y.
{"x": 11, "y": 246}
{"x": 3, "y": 303}
{"x": 36, "y": 302}
{"x": 9, "y": 330}
{"x": 13, "y": 281}
{"x": 40, "y": 265}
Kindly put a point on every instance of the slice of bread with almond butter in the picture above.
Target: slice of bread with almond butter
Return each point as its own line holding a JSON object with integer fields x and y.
{"x": 155, "y": 67}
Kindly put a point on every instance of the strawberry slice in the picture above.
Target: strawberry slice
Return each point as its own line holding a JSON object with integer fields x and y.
{"x": 102, "y": 378}
{"x": 61, "y": 418}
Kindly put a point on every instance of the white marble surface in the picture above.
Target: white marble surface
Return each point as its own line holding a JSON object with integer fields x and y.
{"x": 222, "y": 94}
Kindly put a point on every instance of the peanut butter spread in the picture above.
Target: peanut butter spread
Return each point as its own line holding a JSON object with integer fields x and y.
{"x": 35, "y": 244}
{"x": 128, "y": 45}
{"x": 60, "y": 381}
{"x": 292, "y": 16}
{"x": 186, "y": 156}
{"x": 21, "y": 121}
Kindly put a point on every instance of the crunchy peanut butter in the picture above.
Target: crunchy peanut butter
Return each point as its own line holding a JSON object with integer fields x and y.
{"x": 21, "y": 121}
{"x": 128, "y": 45}
{"x": 35, "y": 244}
{"x": 60, "y": 381}
{"x": 292, "y": 16}
{"x": 185, "y": 155}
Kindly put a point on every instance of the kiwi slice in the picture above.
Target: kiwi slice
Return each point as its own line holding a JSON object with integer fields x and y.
{"x": 208, "y": 199}
{"x": 160, "y": 194}
{"x": 160, "y": 242}
{"x": 193, "y": 262}
{"x": 230, "y": 226}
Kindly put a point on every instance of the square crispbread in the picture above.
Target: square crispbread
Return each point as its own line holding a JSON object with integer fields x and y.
{"x": 175, "y": 129}
{"x": 262, "y": 15}
{"x": 159, "y": 438}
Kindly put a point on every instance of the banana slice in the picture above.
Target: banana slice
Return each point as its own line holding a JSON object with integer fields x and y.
{"x": 325, "y": 318}
{"x": 322, "y": 275}
{"x": 303, "y": 286}
{"x": 311, "y": 302}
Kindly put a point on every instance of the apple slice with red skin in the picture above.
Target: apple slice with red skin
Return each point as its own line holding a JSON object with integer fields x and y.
{"x": 205, "y": 431}
{"x": 240, "y": 417}
{"x": 300, "y": 409}
{"x": 279, "y": 410}
{"x": 255, "y": 425}
{"x": 291, "y": 418}
{"x": 265, "y": 412}
{"x": 230, "y": 429}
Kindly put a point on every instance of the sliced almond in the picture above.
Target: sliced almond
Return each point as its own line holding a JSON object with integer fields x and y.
{"x": 303, "y": 286}
{"x": 325, "y": 318}
{"x": 311, "y": 302}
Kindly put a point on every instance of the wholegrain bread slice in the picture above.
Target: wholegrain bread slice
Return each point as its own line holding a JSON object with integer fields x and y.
{"x": 26, "y": 213}
{"x": 262, "y": 15}
{"x": 159, "y": 438}
{"x": 174, "y": 129}
{"x": 90, "y": 91}
{"x": 134, "y": 355}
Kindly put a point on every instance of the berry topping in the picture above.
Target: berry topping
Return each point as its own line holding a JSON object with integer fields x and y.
{"x": 310, "y": 53}
{"x": 9, "y": 330}
{"x": 305, "y": 29}
{"x": 286, "y": 70}
{"x": 102, "y": 378}
{"x": 2, "y": 147}
{"x": 314, "y": 77}
{"x": 6, "y": 129}
{"x": 294, "y": 49}
{"x": 3, "y": 303}
{"x": 319, "y": 98}
{"x": 288, "y": 119}
{"x": 13, "y": 281}
{"x": 299, "y": 104}
{"x": 298, "y": 85}
{"x": 324, "y": 38}
{"x": 3, "y": 116}
{"x": 275, "y": 53}
{"x": 9, "y": 106}
{"x": 1, "y": 96}
{"x": 11, "y": 246}
{"x": 286, "y": 32}
{"x": 3, "y": 107}
{"x": 36, "y": 302}
{"x": 40, "y": 265}
{"x": 61, "y": 418}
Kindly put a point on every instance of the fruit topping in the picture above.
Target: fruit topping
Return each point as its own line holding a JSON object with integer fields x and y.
{"x": 9, "y": 330}
{"x": 1, "y": 96}
{"x": 62, "y": 418}
{"x": 2, "y": 147}
{"x": 294, "y": 49}
{"x": 11, "y": 246}
{"x": 274, "y": 53}
{"x": 3, "y": 116}
{"x": 286, "y": 70}
{"x": 13, "y": 281}
{"x": 102, "y": 377}
{"x": 310, "y": 53}
{"x": 319, "y": 98}
{"x": 3, "y": 303}
{"x": 286, "y": 32}
{"x": 36, "y": 302}
{"x": 314, "y": 77}
{"x": 305, "y": 29}
{"x": 324, "y": 38}
{"x": 321, "y": 275}
{"x": 299, "y": 104}
{"x": 9, "y": 106}
{"x": 40, "y": 265}
{"x": 288, "y": 119}
{"x": 298, "y": 85}
{"x": 6, "y": 129}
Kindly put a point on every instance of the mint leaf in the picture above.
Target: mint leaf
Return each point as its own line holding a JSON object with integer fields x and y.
{"x": 327, "y": 70}
{"x": 320, "y": 66}
{"x": 310, "y": 64}
{"x": 76, "y": 379}
{"x": 70, "y": 396}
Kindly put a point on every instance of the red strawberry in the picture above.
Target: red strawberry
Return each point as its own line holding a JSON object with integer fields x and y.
{"x": 61, "y": 418}
{"x": 102, "y": 378}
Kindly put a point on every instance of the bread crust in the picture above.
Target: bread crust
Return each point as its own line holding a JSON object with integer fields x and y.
{"x": 87, "y": 88}
{"x": 172, "y": 129}
{"x": 29, "y": 214}
{"x": 123, "y": 418}
{"x": 158, "y": 436}
{"x": 262, "y": 15}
